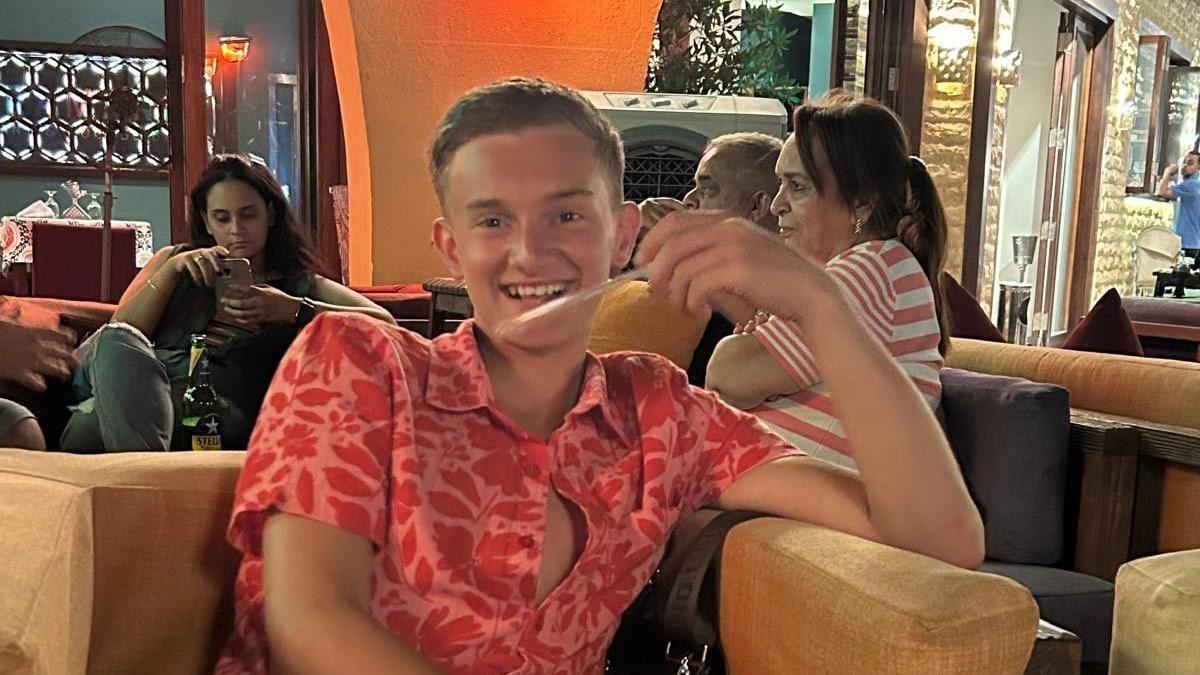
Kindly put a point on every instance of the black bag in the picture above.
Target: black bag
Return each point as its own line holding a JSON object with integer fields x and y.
{"x": 671, "y": 628}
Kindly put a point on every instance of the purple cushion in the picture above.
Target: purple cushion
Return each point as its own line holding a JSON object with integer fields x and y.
{"x": 1105, "y": 329}
{"x": 1010, "y": 437}
{"x": 967, "y": 318}
{"x": 1170, "y": 312}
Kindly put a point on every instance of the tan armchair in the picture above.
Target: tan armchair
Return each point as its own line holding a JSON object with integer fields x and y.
{"x": 1157, "y": 614}
{"x": 118, "y": 564}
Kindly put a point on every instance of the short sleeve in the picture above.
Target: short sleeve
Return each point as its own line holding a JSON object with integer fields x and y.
{"x": 862, "y": 276}
{"x": 720, "y": 443}
{"x": 783, "y": 340}
{"x": 1185, "y": 189}
{"x": 323, "y": 440}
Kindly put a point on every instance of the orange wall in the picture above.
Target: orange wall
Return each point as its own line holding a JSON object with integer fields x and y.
{"x": 401, "y": 63}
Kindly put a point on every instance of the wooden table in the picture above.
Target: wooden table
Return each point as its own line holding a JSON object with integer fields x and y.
{"x": 447, "y": 300}
{"x": 1055, "y": 652}
{"x": 1179, "y": 279}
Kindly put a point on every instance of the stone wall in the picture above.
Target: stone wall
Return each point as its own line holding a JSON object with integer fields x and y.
{"x": 1113, "y": 247}
{"x": 991, "y": 204}
{"x": 854, "y": 67}
{"x": 945, "y": 147}
{"x": 946, "y": 141}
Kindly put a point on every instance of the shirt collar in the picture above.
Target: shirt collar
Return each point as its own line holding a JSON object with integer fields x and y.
{"x": 459, "y": 382}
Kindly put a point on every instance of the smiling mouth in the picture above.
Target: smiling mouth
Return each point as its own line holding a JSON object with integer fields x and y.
{"x": 534, "y": 291}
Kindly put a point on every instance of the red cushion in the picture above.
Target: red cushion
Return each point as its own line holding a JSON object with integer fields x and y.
{"x": 408, "y": 289}
{"x": 967, "y": 318}
{"x": 1106, "y": 329}
{"x": 29, "y": 314}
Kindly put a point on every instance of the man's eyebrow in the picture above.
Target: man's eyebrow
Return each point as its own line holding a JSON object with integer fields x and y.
{"x": 570, "y": 194}
{"x": 485, "y": 204}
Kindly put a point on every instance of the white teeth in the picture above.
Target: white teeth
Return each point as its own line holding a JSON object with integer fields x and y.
{"x": 538, "y": 291}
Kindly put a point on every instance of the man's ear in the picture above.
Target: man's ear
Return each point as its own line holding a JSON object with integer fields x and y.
{"x": 760, "y": 206}
{"x": 447, "y": 246}
{"x": 629, "y": 221}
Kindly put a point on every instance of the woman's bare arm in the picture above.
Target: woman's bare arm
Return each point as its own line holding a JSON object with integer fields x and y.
{"x": 911, "y": 493}
{"x": 744, "y": 374}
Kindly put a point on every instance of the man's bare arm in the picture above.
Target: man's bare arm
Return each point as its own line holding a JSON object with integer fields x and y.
{"x": 318, "y": 584}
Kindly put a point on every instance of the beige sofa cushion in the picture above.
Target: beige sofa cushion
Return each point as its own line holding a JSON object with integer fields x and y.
{"x": 797, "y": 598}
{"x": 123, "y": 564}
{"x": 1156, "y": 621}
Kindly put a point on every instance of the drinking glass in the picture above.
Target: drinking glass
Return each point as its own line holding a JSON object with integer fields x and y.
{"x": 50, "y": 203}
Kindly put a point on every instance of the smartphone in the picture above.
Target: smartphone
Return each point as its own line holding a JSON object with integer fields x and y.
{"x": 231, "y": 271}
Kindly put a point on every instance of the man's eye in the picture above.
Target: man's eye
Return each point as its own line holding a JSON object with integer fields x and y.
{"x": 490, "y": 223}
{"x": 569, "y": 217}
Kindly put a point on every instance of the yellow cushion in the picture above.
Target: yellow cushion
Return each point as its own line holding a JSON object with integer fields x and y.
{"x": 115, "y": 563}
{"x": 1156, "y": 390}
{"x": 1156, "y": 615}
{"x": 632, "y": 319}
{"x": 797, "y": 598}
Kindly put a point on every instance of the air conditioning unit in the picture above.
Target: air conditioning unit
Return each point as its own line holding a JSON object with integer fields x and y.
{"x": 665, "y": 134}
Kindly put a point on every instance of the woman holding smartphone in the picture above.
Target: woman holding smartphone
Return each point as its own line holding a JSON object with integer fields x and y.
{"x": 133, "y": 371}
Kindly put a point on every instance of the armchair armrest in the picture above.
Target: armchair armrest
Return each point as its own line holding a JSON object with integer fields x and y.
{"x": 1156, "y": 612}
{"x": 115, "y": 563}
{"x": 797, "y": 598}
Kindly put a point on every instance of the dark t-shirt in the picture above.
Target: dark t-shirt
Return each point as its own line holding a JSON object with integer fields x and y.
{"x": 718, "y": 327}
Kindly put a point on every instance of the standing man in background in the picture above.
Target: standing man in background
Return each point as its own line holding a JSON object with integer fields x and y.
{"x": 1186, "y": 194}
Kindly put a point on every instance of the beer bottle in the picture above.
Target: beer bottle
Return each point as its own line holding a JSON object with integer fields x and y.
{"x": 201, "y": 414}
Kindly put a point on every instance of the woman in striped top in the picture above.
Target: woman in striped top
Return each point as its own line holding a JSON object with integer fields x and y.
{"x": 852, "y": 200}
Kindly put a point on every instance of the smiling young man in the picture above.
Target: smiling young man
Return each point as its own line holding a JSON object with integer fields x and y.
{"x": 490, "y": 501}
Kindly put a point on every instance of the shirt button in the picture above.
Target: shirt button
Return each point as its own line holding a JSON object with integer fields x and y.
{"x": 527, "y": 541}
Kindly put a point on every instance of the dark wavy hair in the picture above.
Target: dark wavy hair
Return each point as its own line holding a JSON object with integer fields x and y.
{"x": 288, "y": 250}
{"x": 867, "y": 152}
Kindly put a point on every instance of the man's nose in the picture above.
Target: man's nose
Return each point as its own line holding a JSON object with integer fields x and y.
{"x": 691, "y": 200}
{"x": 528, "y": 243}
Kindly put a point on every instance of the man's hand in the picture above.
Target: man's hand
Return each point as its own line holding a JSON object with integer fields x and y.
{"x": 30, "y": 355}
{"x": 655, "y": 208}
{"x": 1170, "y": 171}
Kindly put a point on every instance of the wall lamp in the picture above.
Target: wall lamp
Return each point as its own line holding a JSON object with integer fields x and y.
{"x": 234, "y": 48}
{"x": 1007, "y": 68}
{"x": 952, "y": 36}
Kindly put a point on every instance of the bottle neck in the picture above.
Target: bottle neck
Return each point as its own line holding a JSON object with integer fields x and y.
{"x": 198, "y": 367}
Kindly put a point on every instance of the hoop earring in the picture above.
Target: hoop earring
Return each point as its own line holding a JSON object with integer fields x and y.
{"x": 858, "y": 223}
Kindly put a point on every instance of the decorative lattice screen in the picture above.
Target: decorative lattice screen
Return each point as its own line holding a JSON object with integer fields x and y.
{"x": 658, "y": 170}
{"x": 52, "y": 107}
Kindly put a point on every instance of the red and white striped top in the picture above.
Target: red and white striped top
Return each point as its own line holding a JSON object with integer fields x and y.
{"x": 889, "y": 292}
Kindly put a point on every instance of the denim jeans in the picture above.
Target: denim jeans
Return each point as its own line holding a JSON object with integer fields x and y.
{"x": 124, "y": 395}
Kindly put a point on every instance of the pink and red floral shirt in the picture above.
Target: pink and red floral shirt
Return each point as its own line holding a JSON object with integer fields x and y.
{"x": 398, "y": 439}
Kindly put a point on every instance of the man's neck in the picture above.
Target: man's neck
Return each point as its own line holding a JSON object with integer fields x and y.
{"x": 535, "y": 389}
